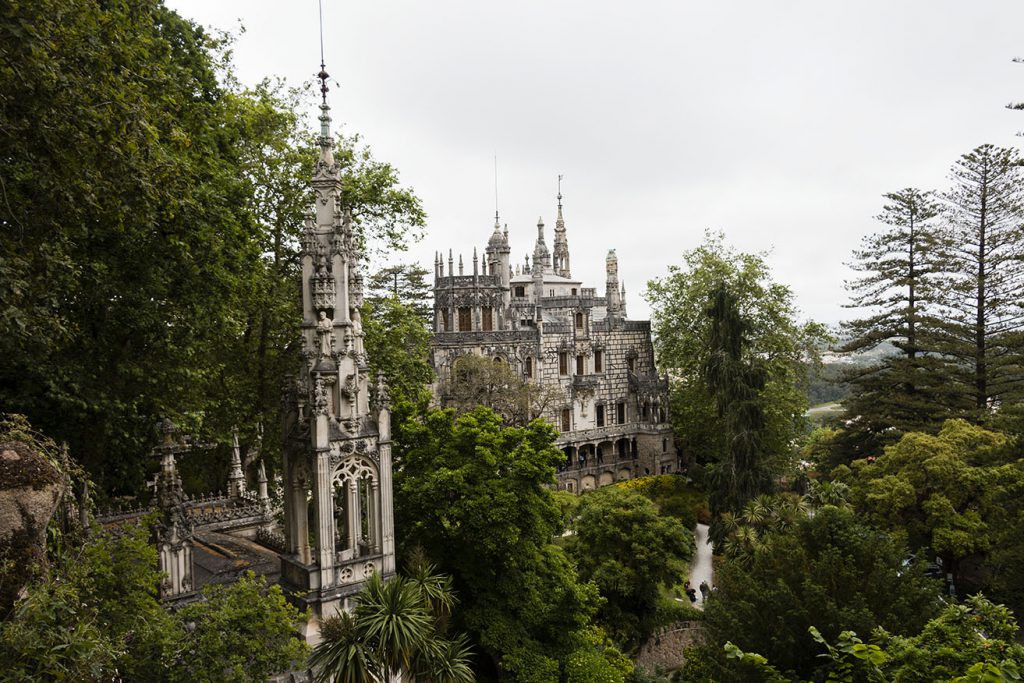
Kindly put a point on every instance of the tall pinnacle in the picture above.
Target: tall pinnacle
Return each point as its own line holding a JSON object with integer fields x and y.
{"x": 561, "y": 246}
{"x": 326, "y": 141}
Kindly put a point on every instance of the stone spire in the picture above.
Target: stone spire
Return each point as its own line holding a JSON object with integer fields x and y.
{"x": 326, "y": 173}
{"x": 541, "y": 255}
{"x": 561, "y": 254}
{"x": 541, "y": 262}
{"x": 622, "y": 299}
{"x": 497, "y": 257}
{"x": 336, "y": 465}
{"x": 264, "y": 495}
{"x": 236, "y": 478}
{"x": 612, "y": 293}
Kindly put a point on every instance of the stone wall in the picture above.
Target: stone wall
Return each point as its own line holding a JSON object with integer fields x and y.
{"x": 665, "y": 649}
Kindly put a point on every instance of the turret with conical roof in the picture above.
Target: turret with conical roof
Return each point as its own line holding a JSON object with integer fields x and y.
{"x": 497, "y": 256}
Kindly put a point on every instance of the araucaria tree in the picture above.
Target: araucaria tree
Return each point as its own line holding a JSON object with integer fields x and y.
{"x": 983, "y": 298}
{"x": 901, "y": 271}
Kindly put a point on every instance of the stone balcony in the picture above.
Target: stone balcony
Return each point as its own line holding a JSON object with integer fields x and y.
{"x": 591, "y": 382}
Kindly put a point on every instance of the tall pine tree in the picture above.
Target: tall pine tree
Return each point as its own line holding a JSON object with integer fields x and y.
{"x": 983, "y": 296}
{"x": 736, "y": 382}
{"x": 900, "y": 270}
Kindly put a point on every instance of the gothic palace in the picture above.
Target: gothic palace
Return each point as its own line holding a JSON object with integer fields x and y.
{"x": 613, "y": 409}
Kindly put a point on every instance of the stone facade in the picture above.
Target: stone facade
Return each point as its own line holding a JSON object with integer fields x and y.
{"x": 337, "y": 432}
{"x": 612, "y": 411}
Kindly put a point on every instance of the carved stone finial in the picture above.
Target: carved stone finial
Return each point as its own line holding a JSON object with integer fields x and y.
{"x": 381, "y": 397}
{"x": 319, "y": 397}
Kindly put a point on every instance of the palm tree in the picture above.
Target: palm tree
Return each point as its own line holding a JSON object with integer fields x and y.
{"x": 758, "y": 511}
{"x": 444, "y": 661}
{"x": 829, "y": 493}
{"x": 393, "y": 617}
{"x": 398, "y": 626}
{"x": 342, "y": 656}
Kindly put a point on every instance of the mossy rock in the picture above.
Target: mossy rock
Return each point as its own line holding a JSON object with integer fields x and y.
{"x": 30, "y": 491}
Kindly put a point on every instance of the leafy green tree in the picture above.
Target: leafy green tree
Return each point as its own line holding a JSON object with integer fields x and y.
{"x": 930, "y": 488}
{"x": 970, "y": 643}
{"x": 596, "y": 660}
{"x": 962, "y": 636}
{"x": 95, "y": 613}
{"x": 899, "y": 287}
{"x": 675, "y": 497}
{"x": 149, "y": 224}
{"x": 97, "y": 617}
{"x": 631, "y": 552}
{"x": 398, "y": 627}
{"x": 682, "y": 333}
{"x": 984, "y": 312}
{"x": 829, "y": 570}
{"x": 242, "y": 631}
{"x": 491, "y": 383}
{"x": 475, "y": 494}
{"x": 397, "y": 344}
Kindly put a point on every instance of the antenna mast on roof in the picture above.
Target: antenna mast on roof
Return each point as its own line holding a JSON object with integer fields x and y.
{"x": 495, "y": 189}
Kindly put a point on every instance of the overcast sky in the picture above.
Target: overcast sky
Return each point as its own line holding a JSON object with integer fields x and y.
{"x": 780, "y": 124}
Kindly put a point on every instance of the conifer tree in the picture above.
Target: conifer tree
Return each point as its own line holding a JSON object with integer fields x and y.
{"x": 737, "y": 384}
{"x": 983, "y": 295}
{"x": 901, "y": 270}
{"x": 408, "y": 284}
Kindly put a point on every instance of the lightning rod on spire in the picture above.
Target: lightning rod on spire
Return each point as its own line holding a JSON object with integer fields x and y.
{"x": 323, "y": 75}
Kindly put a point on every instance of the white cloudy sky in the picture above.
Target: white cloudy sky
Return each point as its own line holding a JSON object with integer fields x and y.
{"x": 779, "y": 123}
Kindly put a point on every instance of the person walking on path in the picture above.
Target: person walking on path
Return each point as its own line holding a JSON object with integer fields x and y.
{"x": 701, "y": 569}
{"x": 705, "y": 591}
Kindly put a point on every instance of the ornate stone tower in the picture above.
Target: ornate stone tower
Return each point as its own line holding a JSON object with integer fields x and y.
{"x": 561, "y": 249}
{"x": 612, "y": 292}
{"x": 337, "y": 429}
{"x": 498, "y": 262}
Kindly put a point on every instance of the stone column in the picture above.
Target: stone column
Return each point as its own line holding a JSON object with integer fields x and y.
{"x": 374, "y": 513}
{"x": 300, "y": 523}
{"x": 353, "y": 516}
{"x": 340, "y": 270}
{"x": 323, "y": 499}
{"x": 387, "y": 513}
